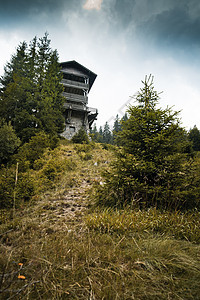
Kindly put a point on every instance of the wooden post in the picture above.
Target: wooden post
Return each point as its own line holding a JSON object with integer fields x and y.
{"x": 14, "y": 197}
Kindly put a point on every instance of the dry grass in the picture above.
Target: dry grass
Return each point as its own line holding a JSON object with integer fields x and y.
{"x": 184, "y": 226}
{"x": 79, "y": 264}
{"x": 56, "y": 248}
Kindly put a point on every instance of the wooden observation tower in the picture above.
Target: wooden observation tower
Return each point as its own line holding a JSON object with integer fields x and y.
{"x": 77, "y": 81}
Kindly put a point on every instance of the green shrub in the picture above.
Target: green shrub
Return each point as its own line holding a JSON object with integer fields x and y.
{"x": 84, "y": 148}
{"x": 86, "y": 156}
{"x": 24, "y": 188}
{"x": 32, "y": 150}
{"x": 52, "y": 166}
{"x": 7, "y": 185}
{"x": 80, "y": 137}
{"x": 9, "y": 142}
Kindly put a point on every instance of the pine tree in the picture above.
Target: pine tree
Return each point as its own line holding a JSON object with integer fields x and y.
{"x": 117, "y": 125}
{"x": 94, "y": 133}
{"x": 100, "y": 134}
{"x": 107, "y": 135}
{"x": 194, "y": 137}
{"x": 11, "y": 92}
{"x": 125, "y": 117}
{"x": 16, "y": 66}
{"x": 31, "y": 92}
{"x": 116, "y": 128}
{"x": 50, "y": 102}
{"x": 9, "y": 142}
{"x": 153, "y": 166}
{"x": 81, "y": 137}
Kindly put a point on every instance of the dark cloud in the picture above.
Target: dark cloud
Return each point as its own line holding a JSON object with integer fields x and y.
{"x": 164, "y": 22}
{"x": 21, "y": 6}
{"x": 175, "y": 27}
{"x": 17, "y": 12}
{"x": 169, "y": 22}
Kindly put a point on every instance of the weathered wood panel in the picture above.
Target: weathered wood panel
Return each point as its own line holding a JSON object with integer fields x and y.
{"x": 75, "y": 97}
{"x": 75, "y": 84}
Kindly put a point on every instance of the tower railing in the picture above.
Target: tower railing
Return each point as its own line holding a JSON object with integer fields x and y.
{"x": 77, "y": 107}
{"x": 76, "y": 84}
{"x": 92, "y": 110}
{"x": 75, "y": 97}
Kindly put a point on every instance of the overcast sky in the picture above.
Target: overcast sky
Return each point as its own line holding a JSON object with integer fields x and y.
{"x": 121, "y": 41}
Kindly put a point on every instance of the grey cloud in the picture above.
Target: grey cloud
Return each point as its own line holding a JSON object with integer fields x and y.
{"x": 21, "y": 11}
{"x": 133, "y": 12}
{"x": 165, "y": 21}
{"x": 13, "y": 6}
{"x": 175, "y": 27}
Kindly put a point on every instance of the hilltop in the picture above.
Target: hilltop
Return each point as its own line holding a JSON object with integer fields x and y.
{"x": 60, "y": 245}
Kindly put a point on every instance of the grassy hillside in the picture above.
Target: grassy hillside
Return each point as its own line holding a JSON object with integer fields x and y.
{"x": 60, "y": 246}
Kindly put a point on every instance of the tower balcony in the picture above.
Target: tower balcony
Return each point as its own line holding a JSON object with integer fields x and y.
{"x": 75, "y": 107}
{"x": 76, "y": 98}
{"x": 92, "y": 110}
{"x": 75, "y": 84}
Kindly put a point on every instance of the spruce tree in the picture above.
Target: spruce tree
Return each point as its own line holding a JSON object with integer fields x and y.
{"x": 116, "y": 128}
{"x": 154, "y": 165}
{"x": 31, "y": 92}
{"x": 9, "y": 142}
{"x": 100, "y": 139}
{"x": 95, "y": 134}
{"x": 16, "y": 66}
{"x": 117, "y": 125}
{"x": 107, "y": 135}
{"x": 80, "y": 137}
{"x": 125, "y": 117}
{"x": 194, "y": 137}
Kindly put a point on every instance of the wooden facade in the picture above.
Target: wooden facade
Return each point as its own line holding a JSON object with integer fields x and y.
{"x": 77, "y": 82}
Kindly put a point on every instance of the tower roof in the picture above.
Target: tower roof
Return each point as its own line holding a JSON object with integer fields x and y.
{"x": 75, "y": 68}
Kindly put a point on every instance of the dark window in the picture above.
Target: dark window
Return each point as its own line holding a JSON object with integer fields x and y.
{"x": 72, "y": 129}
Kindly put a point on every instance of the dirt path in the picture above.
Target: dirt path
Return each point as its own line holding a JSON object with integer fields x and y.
{"x": 66, "y": 208}
{"x": 74, "y": 203}
{"x": 65, "y": 212}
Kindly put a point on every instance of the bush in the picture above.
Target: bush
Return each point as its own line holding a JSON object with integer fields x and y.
{"x": 7, "y": 185}
{"x": 9, "y": 142}
{"x": 26, "y": 187}
{"x": 51, "y": 166}
{"x": 81, "y": 137}
{"x": 23, "y": 189}
{"x": 32, "y": 150}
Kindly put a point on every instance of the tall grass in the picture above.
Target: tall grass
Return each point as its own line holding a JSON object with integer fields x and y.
{"x": 105, "y": 254}
{"x": 82, "y": 264}
{"x": 179, "y": 225}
